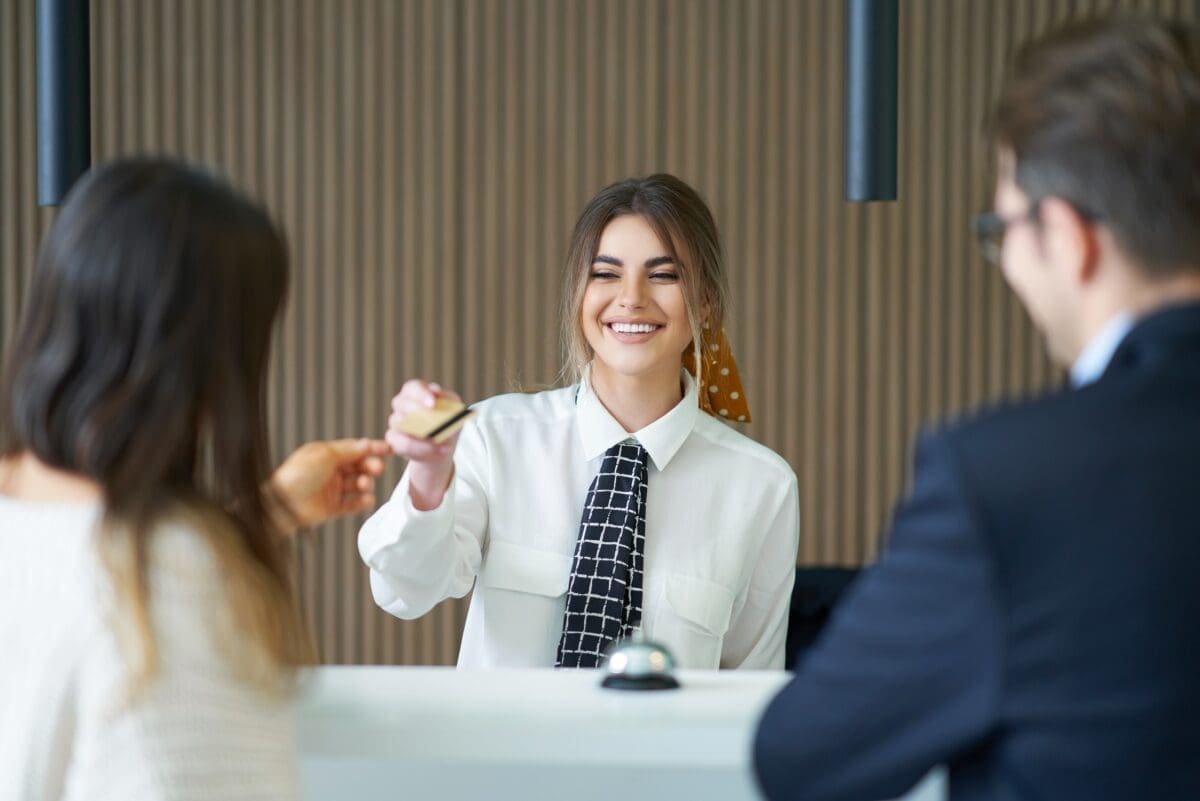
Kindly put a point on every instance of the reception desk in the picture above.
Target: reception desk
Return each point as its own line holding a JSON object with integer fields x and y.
{"x": 435, "y": 733}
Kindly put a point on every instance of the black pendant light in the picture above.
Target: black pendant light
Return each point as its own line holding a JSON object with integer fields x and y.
{"x": 872, "y": 34}
{"x": 63, "y": 97}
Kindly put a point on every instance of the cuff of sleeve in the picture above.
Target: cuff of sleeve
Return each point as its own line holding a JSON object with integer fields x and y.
{"x": 398, "y": 525}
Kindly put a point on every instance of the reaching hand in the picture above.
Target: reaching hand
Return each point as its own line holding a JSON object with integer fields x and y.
{"x": 431, "y": 464}
{"x": 326, "y": 479}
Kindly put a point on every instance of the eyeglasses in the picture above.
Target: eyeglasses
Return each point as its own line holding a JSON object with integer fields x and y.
{"x": 990, "y": 227}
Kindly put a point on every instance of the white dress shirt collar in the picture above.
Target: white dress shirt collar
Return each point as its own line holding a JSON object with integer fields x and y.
{"x": 1094, "y": 359}
{"x": 662, "y": 439}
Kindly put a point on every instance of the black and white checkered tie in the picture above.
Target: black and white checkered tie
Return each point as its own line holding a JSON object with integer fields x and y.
{"x": 604, "y": 596}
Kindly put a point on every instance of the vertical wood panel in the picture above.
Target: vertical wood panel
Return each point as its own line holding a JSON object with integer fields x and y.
{"x": 427, "y": 160}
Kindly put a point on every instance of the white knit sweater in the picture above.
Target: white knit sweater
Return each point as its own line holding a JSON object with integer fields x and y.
{"x": 66, "y": 731}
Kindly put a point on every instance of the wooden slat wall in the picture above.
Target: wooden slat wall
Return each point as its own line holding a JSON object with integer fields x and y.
{"x": 428, "y": 157}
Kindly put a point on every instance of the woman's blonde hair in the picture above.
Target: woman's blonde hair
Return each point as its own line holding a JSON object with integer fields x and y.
{"x": 684, "y": 225}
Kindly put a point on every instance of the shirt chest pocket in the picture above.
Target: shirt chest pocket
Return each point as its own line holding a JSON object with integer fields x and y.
{"x": 694, "y": 619}
{"x": 516, "y": 568}
{"x": 523, "y": 595}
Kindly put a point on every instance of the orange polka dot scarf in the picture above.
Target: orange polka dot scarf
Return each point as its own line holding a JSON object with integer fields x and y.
{"x": 720, "y": 384}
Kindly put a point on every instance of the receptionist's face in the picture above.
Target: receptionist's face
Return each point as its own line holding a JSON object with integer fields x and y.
{"x": 634, "y": 315}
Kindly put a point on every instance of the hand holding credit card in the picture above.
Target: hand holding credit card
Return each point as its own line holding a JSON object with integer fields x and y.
{"x": 423, "y": 428}
{"x": 436, "y": 424}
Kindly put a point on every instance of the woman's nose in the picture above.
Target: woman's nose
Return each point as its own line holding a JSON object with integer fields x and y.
{"x": 633, "y": 292}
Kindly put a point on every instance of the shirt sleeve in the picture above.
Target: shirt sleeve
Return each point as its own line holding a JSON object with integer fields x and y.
{"x": 420, "y": 558}
{"x": 757, "y": 635}
{"x": 907, "y": 673}
{"x": 198, "y": 731}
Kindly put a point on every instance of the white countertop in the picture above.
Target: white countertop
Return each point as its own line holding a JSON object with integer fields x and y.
{"x": 535, "y": 716}
{"x": 439, "y": 733}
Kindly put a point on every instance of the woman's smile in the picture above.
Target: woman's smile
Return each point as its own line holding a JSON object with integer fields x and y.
{"x": 630, "y": 332}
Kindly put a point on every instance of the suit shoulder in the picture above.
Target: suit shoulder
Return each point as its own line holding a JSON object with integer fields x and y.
{"x": 1016, "y": 420}
{"x": 1025, "y": 444}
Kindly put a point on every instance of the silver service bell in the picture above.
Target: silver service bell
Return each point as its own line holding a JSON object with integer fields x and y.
{"x": 639, "y": 665}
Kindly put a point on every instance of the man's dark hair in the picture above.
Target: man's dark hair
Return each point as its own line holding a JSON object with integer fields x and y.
{"x": 1106, "y": 115}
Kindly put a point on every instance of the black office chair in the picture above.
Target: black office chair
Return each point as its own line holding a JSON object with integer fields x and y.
{"x": 815, "y": 593}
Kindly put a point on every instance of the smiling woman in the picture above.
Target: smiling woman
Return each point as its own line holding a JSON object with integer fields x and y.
{"x": 613, "y": 507}
{"x": 635, "y": 320}
{"x": 661, "y": 220}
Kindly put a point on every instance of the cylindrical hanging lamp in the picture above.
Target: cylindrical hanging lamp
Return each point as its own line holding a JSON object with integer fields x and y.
{"x": 872, "y": 36}
{"x": 63, "y": 97}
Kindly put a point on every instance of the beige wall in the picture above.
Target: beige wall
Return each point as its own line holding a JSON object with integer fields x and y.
{"x": 427, "y": 159}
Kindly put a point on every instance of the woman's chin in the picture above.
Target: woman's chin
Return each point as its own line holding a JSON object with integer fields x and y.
{"x": 632, "y": 369}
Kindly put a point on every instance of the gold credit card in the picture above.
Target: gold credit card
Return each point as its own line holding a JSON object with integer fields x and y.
{"x": 436, "y": 424}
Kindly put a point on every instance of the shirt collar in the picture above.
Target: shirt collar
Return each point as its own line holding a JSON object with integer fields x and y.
{"x": 1098, "y": 352}
{"x": 662, "y": 439}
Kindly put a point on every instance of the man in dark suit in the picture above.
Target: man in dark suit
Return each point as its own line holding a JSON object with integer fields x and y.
{"x": 1034, "y": 621}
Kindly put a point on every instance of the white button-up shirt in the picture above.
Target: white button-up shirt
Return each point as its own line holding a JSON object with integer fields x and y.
{"x": 722, "y": 527}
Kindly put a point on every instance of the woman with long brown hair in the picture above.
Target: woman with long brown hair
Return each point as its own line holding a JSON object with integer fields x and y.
{"x": 150, "y": 628}
{"x": 621, "y": 503}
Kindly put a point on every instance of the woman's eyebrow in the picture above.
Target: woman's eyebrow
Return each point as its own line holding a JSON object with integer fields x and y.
{"x": 650, "y": 264}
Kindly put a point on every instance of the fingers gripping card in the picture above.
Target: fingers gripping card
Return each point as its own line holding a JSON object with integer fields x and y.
{"x": 436, "y": 424}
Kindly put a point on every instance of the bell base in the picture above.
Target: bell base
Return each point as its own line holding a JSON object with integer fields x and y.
{"x": 659, "y": 682}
